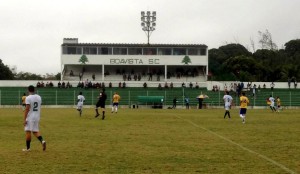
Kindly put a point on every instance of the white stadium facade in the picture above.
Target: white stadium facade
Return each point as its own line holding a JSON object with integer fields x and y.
{"x": 134, "y": 63}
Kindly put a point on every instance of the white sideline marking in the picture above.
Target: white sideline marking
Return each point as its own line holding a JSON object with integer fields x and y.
{"x": 242, "y": 147}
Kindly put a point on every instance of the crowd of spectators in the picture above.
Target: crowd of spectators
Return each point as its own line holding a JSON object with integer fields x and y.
{"x": 42, "y": 84}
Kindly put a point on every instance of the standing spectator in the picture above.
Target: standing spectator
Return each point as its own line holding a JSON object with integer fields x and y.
{"x": 80, "y": 100}
{"x": 93, "y": 76}
{"x": 289, "y": 83}
{"x": 191, "y": 85}
{"x": 145, "y": 85}
{"x": 32, "y": 116}
{"x": 272, "y": 86}
{"x": 80, "y": 76}
{"x": 101, "y": 103}
{"x": 174, "y": 103}
{"x": 295, "y": 84}
{"x": 264, "y": 86}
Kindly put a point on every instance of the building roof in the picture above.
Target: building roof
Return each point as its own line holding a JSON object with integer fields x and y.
{"x": 135, "y": 45}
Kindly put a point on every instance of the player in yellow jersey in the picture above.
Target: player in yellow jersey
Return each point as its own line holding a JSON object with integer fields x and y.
{"x": 23, "y": 101}
{"x": 278, "y": 101}
{"x": 244, "y": 101}
{"x": 116, "y": 98}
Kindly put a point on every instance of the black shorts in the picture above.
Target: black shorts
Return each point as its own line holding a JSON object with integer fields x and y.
{"x": 101, "y": 105}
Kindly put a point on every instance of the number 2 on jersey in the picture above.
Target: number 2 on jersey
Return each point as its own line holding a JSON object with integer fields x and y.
{"x": 35, "y": 106}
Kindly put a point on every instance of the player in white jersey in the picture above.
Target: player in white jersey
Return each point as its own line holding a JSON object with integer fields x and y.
{"x": 80, "y": 100}
{"x": 227, "y": 100}
{"x": 272, "y": 105}
{"x": 32, "y": 118}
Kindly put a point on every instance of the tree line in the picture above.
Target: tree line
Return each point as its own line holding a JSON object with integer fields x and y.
{"x": 233, "y": 62}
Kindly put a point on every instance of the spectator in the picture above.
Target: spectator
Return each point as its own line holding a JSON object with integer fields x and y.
{"x": 145, "y": 85}
{"x": 289, "y": 83}
{"x": 71, "y": 73}
{"x": 272, "y": 86}
{"x": 159, "y": 86}
{"x": 80, "y": 76}
{"x": 124, "y": 85}
{"x": 197, "y": 86}
{"x": 295, "y": 84}
{"x": 93, "y": 77}
{"x": 183, "y": 84}
{"x": 191, "y": 85}
{"x": 187, "y": 102}
{"x": 63, "y": 85}
{"x": 120, "y": 84}
{"x": 171, "y": 85}
{"x": 139, "y": 77}
{"x": 166, "y": 85}
{"x": 59, "y": 85}
{"x": 110, "y": 84}
{"x": 264, "y": 86}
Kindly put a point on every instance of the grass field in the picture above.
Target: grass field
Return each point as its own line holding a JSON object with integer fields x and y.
{"x": 153, "y": 141}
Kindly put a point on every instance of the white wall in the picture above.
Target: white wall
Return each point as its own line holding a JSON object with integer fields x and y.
{"x": 208, "y": 84}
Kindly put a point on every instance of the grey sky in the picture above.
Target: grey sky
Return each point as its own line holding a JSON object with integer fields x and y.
{"x": 32, "y": 31}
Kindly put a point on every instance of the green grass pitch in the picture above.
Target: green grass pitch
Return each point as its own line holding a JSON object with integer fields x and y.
{"x": 153, "y": 141}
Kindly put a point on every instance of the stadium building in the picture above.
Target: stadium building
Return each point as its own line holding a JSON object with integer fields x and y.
{"x": 134, "y": 63}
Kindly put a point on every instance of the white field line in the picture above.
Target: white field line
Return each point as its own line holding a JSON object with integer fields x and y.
{"x": 242, "y": 147}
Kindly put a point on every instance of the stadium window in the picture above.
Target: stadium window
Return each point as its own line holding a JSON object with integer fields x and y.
{"x": 150, "y": 51}
{"x": 120, "y": 51}
{"x": 105, "y": 51}
{"x": 86, "y": 50}
{"x": 134, "y": 51}
{"x": 71, "y": 50}
{"x": 93, "y": 50}
{"x": 193, "y": 51}
{"x": 78, "y": 50}
{"x": 179, "y": 51}
{"x": 164, "y": 51}
{"x": 203, "y": 52}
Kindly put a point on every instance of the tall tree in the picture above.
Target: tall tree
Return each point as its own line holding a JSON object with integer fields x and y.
{"x": 266, "y": 40}
{"x": 5, "y": 72}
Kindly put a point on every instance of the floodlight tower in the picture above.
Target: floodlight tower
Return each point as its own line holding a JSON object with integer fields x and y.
{"x": 148, "y": 22}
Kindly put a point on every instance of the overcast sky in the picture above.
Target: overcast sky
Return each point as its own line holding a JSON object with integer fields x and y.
{"x": 32, "y": 31}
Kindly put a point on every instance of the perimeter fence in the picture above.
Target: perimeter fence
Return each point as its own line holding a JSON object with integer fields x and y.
{"x": 129, "y": 96}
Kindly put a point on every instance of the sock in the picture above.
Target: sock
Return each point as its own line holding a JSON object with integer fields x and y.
{"x": 116, "y": 109}
{"x": 112, "y": 109}
{"x": 225, "y": 114}
{"x": 103, "y": 113}
{"x": 40, "y": 138}
{"x": 97, "y": 111}
{"x": 28, "y": 144}
{"x": 228, "y": 114}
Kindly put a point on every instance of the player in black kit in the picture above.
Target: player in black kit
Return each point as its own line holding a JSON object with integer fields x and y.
{"x": 101, "y": 103}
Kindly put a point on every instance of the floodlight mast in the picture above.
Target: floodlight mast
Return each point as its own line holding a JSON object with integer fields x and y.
{"x": 148, "y": 22}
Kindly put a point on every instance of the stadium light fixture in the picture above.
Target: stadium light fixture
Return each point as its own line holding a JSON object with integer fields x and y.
{"x": 148, "y": 23}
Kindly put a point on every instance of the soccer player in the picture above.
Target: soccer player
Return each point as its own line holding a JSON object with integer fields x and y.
{"x": 244, "y": 101}
{"x": 32, "y": 118}
{"x": 101, "y": 103}
{"x": 227, "y": 100}
{"x": 272, "y": 105}
{"x": 23, "y": 102}
{"x": 116, "y": 98}
{"x": 278, "y": 104}
{"x": 80, "y": 100}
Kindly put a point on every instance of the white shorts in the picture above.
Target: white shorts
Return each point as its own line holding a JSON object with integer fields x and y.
{"x": 227, "y": 107}
{"x": 79, "y": 105}
{"x": 32, "y": 126}
{"x": 272, "y": 104}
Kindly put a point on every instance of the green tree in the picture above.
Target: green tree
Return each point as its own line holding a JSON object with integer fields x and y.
{"x": 186, "y": 60}
{"x": 5, "y": 72}
{"x": 83, "y": 59}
